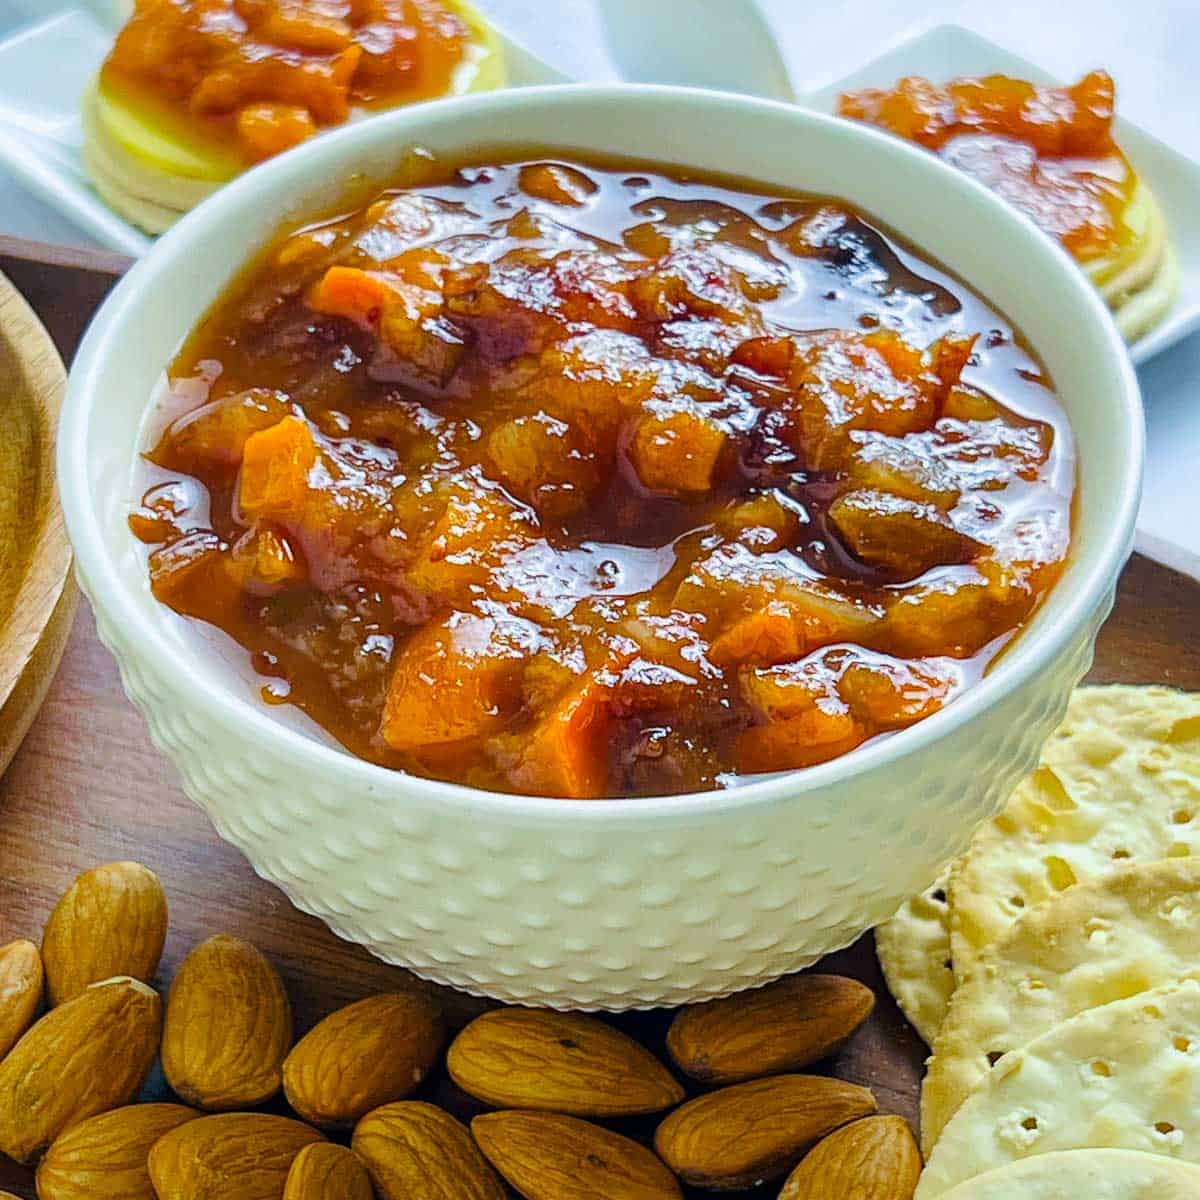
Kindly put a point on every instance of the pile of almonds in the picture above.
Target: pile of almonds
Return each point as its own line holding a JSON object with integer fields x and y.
{"x": 69, "y": 1079}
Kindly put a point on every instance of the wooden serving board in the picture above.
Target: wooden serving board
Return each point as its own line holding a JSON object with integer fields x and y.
{"x": 88, "y": 787}
{"x": 37, "y": 594}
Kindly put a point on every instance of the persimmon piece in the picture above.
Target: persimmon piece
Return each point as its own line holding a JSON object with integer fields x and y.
{"x": 188, "y": 575}
{"x": 675, "y": 453}
{"x": 815, "y": 736}
{"x": 772, "y": 634}
{"x": 540, "y": 461}
{"x": 905, "y": 467}
{"x": 733, "y": 582}
{"x": 893, "y": 693}
{"x": 767, "y": 355}
{"x": 275, "y": 470}
{"x": 473, "y": 535}
{"x": 405, "y": 315}
{"x": 455, "y": 680}
{"x": 556, "y": 184}
{"x": 263, "y": 560}
{"x": 849, "y": 382}
{"x": 217, "y": 432}
{"x": 761, "y": 523}
{"x": 901, "y": 536}
{"x": 566, "y": 753}
{"x": 957, "y": 613}
{"x": 691, "y": 282}
{"x": 594, "y": 380}
{"x": 267, "y": 129}
{"x": 304, "y": 26}
{"x": 349, "y": 292}
{"x": 410, "y": 48}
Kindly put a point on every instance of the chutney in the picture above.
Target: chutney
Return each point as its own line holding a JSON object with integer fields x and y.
{"x": 264, "y": 75}
{"x": 593, "y": 479}
{"x": 1049, "y": 151}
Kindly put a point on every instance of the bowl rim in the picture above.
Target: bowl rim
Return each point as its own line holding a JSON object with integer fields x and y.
{"x": 1031, "y": 652}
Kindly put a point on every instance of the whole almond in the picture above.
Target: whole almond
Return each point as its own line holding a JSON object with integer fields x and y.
{"x": 558, "y": 1062}
{"x": 230, "y": 1156}
{"x": 324, "y": 1171}
{"x": 754, "y": 1131}
{"x": 784, "y": 1026}
{"x": 413, "y": 1150}
{"x": 111, "y": 921}
{"x": 104, "y": 1157}
{"x": 363, "y": 1056}
{"x": 85, "y": 1057}
{"x": 228, "y": 1027}
{"x": 872, "y": 1159}
{"x": 20, "y": 991}
{"x": 550, "y": 1157}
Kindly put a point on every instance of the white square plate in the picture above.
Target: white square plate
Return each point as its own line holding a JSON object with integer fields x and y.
{"x": 948, "y": 50}
{"x": 45, "y": 70}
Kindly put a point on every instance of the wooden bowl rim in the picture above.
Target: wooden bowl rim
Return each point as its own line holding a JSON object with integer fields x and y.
{"x": 41, "y": 376}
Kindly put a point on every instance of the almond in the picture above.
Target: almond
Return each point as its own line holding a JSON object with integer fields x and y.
{"x": 231, "y": 1156}
{"x": 88, "y": 1055}
{"x": 873, "y": 1159}
{"x": 104, "y": 1157}
{"x": 363, "y": 1056}
{"x": 324, "y": 1171}
{"x": 416, "y": 1150}
{"x": 550, "y": 1157}
{"x": 754, "y": 1131}
{"x": 785, "y": 1026}
{"x": 20, "y": 991}
{"x": 111, "y": 921}
{"x": 558, "y": 1062}
{"x": 228, "y": 1027}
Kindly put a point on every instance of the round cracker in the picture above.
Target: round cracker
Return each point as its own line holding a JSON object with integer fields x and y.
{"x": 914, "y": 951}
{"x": 1119, "y": 782}
{"x": 1122, "y": 933}
{"x": 1126, "y": 1075}
{"x": 1136, "y": 264}
{"x": 1086, "y": 1175}
{"x": 1140, "y": 283}
{"x": 1140, "y": 311}
{"x": 148, "y": 216}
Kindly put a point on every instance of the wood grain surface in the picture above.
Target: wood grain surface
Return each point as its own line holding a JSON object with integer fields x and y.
{"x": 88, "y": 787}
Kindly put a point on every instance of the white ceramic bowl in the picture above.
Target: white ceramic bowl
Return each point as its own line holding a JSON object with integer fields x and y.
{"x": 627, "y": 902}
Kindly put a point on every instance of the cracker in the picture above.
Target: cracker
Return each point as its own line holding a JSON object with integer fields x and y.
{"x": 1086, "y": 1175}
{"x": 1119, "y": 782}
{"x": 1132, "y": 929}
{"x": 914, "y": 951}
{"x": 1126, "y": 1075}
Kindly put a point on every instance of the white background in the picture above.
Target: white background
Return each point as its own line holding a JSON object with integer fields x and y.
{"x": 1151, "y": 46}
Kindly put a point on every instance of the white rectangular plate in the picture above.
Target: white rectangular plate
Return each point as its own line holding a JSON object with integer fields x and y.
{"x": 945, "y": 51}
{"x": 46, "y": 68}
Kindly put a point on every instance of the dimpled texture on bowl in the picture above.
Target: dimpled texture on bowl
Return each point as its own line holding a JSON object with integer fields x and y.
{"x": 588, "y": 917}
{"x": 625, "y": 903}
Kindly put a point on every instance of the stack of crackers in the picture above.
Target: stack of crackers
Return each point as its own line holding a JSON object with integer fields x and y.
{"x": 1055, "y": 970}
